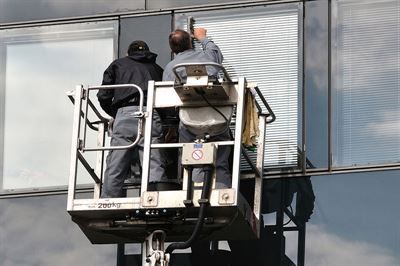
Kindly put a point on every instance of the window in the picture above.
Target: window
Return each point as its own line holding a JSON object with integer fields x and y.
{"x": 39, "y": 65}
{"x": 262, "y": 44}
{"x": 366, "y": 83}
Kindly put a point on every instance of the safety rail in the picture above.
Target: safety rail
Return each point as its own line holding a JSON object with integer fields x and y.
{"x": 198, "y": 71}
{"x": 266, "y": 105}
{"x": 90, "y": 124}
{"x": 139, "y": 114}
{"x": 81, "y": 100}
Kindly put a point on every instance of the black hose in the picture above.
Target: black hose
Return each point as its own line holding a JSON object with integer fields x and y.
{"x": 189, "y": 188}
{"x": 205, "y": 194}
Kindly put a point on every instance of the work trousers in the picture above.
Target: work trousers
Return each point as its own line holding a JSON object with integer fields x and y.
{"x": 119, "y": 162}
{"x": 224, "y": 178}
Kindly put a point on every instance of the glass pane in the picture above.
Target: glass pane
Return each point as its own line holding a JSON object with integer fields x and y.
{"x": 143, "y": 28}
{"x": 316, "y": 81}
{"x": 355, "y": 220}
{"x": 41, "y": 64}
{"x": 28, "y": 237}
{"x": 366, "y": 83}
{"x": 262, "y": 44}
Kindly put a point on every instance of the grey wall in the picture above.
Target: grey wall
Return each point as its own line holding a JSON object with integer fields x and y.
{"x": 154, "y": 30}
{"x": 27, "y": 10}
{"x": 16, "y": 10}
{"x": 155, "y": 4}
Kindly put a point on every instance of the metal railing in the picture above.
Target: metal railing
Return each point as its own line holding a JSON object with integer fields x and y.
{"x": 81, "y": 100}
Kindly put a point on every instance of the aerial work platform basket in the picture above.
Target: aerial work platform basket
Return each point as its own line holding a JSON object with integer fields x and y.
{"x": 228, "y": 215}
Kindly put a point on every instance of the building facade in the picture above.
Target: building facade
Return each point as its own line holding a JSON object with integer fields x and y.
{"x": 330, "y": 69}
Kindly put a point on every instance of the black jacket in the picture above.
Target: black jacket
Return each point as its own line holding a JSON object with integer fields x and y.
{"x": 137, "y": 69}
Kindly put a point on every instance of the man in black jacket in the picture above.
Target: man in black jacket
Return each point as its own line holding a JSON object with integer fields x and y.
{"x": 138, "y": 67}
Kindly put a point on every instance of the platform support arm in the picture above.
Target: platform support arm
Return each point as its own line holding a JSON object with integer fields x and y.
{"x": 147, "y": 136}
{"x": 260, "y": 176}
{"x": 238, "y": 133}
{"x": 75, "y": 146}
{"x": 99, "y": 160}
{"x": 153, "y": 253}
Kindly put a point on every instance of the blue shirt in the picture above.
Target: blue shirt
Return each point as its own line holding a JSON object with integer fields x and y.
{"x": 210, "y": 53}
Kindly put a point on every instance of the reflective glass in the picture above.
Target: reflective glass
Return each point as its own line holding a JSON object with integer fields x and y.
{"x": 39, "y": 231}
{"x": 348, "y": 219}
{"x": 143, "y": 28}
{"x": 355, "y": 220}
{"x": 16, "y": 11}
{"x": 262, "y": 45}
{"x": 316, "y": 83}
{"x": 366, "y": 83}
{"x": 40, "y": 65}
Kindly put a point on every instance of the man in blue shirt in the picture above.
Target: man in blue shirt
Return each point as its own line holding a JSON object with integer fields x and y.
{"x": 181, "y": 44}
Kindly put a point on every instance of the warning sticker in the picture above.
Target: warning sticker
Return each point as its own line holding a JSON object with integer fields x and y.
{"x": 197, "y": 154}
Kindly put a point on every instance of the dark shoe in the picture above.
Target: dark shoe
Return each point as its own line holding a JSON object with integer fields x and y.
{"x": 163, "y": 186}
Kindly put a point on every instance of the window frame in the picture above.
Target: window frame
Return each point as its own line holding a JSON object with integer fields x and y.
{"x": 37, "y": 37}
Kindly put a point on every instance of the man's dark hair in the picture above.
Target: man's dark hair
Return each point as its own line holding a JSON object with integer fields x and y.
{"x": 136, "y": 46}
{"x": 179, "y": 41}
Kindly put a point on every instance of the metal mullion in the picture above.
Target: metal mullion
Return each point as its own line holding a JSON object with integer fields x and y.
{"x": 61, "y": 21}
{"x": 303, "y": 90}
{"x": 232, "y": 5}
{"x": 330, "y": 141}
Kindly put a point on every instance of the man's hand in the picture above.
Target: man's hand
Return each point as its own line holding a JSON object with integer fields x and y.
{"x": 200, "y": 33}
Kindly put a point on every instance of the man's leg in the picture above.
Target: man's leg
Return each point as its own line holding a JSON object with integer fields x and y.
{"x": 157, "y": 160}
{"x": 224, "y": 175}
{"x": 185, "y": 136}
{"x": 120, "y": 161}
{"x": 222, "y": 161}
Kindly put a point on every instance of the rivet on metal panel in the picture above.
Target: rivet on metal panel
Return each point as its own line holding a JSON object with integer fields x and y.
{"x": 226, "y": 197}
{"x": 150, "y": 199}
